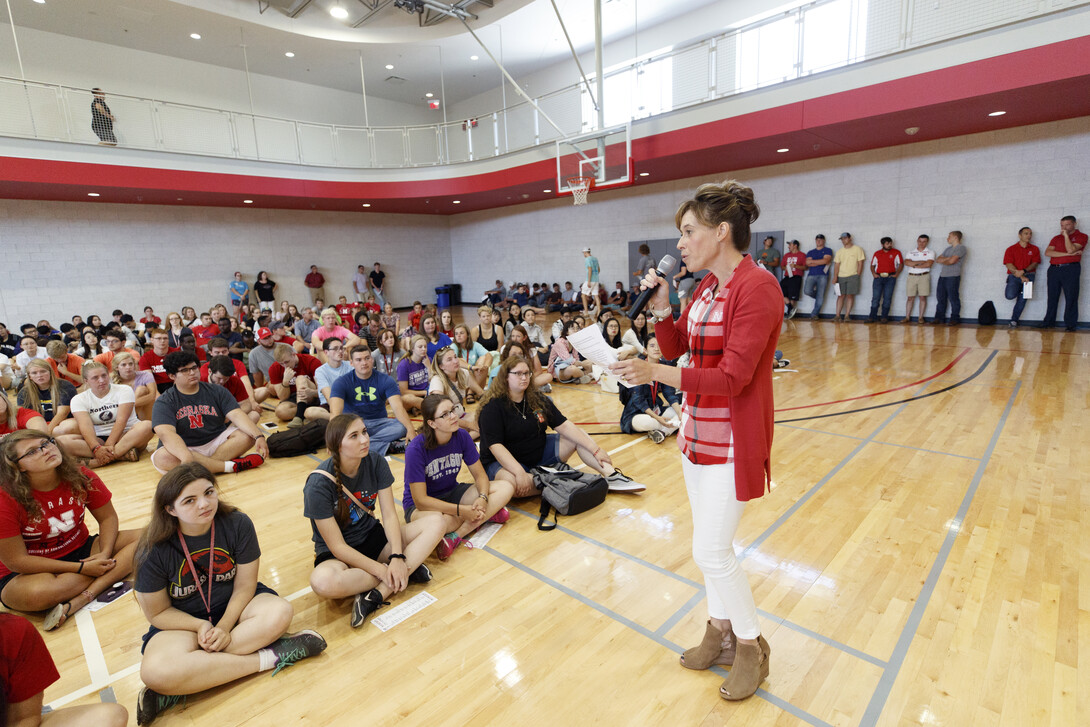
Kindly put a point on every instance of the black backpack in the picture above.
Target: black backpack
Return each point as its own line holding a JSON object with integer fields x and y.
{"x": 986, "y": 316}
{"x": 307, "y": 439}
{"x": 568, "y": 491}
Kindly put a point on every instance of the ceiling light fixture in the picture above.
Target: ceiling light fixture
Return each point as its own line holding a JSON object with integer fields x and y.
{"x": 473, "y": 58}
{"x": 40, "y": 2}
{"x": 547, "y": 191}
{"x": 912, "y": 130}
{"x": 366, "y": 204}
{"x": 457, "y": 201}
{"x": 247, "y": 201}
{"x": 781, "y": 151}
{"x": 92, "y": 194}
{"x": 644, "y": 174}
{"x": 429, "y": 94}
{"x": 289, "y": 54}
{"x": 195, "y": 36}
{"x": 338, "y": 12}
{"x": 389, "y": 67}
{"x": 997, "y": 113}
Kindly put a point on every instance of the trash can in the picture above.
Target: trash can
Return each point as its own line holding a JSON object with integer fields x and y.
{"x": 442, "y": 297}
{"x": 455, "y": 293}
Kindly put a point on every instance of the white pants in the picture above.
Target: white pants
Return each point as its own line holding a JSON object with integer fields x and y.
{"x": 644, "y": 423}
{"x": 716, "y": 514}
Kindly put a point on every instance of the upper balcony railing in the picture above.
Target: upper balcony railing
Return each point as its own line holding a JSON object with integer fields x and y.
{"x": 816, "y": 37}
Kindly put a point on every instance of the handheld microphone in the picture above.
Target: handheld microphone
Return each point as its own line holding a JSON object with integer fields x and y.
{"x": 666, "y": 266}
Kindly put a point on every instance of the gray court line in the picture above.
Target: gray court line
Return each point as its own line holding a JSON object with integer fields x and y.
{"x": 680, "y": 613}
{"x": 850, "y": 650}
{"x": 888, "y": 444}
{"x": 107, "y": 695}
{"x": 908, "y": 633}
{"x": 768, "y": 697}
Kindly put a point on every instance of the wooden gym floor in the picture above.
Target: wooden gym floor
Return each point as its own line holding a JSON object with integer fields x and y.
{"x": 919, "y": 560}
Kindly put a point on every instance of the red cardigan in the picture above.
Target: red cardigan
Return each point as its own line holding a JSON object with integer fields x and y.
{"x": 741, "y": 376}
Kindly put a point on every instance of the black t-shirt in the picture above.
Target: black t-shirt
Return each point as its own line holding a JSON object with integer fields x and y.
{"x": 377, "y": 278}
{"x": 197, "y": 418}
{"x": 265, "y": 290}
{"x": 45, "y": 398}
{"x": 518, "y": 428}
{"x": 166, "y": 567}
{"x": 9, "y": 346}
{"x": 320, "y": 495}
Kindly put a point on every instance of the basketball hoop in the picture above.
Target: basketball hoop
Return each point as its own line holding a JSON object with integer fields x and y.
{"x": 580, "y": 187}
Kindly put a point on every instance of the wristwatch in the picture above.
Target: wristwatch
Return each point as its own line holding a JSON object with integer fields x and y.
{"x": 661, "y": 315}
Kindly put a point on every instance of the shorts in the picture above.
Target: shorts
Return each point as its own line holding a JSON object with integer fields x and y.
{"x": 919, "y": 285}
{"x": 371, "y": 547}
{"x": 589, "y": 288}
{"x": 75, "y": 556}
{"x": 206, "y": 450}
{"x": 791, "y": 287}
{"x": 849, "y": 285}
{"x": 685, "y": 287}
{"x": 453, "y": 496}
{"x": 216, "y": 615}
{"x": 550, "y": 456}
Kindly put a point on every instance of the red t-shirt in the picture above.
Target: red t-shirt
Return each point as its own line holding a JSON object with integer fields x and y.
{"x": 307, "y": 366}
{"x": 798, "y": 262}
{"x": 22, "y": 417}
{"x": 26, "y": 668}
{"x": 153, "y": 362}
{"x": 240, "y": 369}
{"x": 372, "y": 308}
{"x": 886, "y": 261}
{"x": 154, "y": 319}
{"x": 1078, "y": 238}
{"x": 414, "y": 319}
{"x": 61, "y": 529}
{"x": 204, "y": 335}
{"x": 1022, "y": 257}
{"x": 286, "y": 339}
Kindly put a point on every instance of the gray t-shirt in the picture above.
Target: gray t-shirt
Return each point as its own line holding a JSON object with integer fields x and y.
{"x": 261, "y": 359}
{"x": 197, "y": 418}
{"x": 646, "y": 263}
{"x": 952, "y": 271}
{"x": 320, "y": 497}
{"x": 305, "y": 330}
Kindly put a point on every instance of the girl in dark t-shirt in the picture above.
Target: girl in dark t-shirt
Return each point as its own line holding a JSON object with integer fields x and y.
{"x": 212, "y": 622}
{"x": 355, "y": 554}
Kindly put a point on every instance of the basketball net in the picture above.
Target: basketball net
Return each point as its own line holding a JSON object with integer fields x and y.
{"x": 580, "y": 187}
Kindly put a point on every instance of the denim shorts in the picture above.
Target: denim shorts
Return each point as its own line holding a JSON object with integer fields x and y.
{"x": 550, "y": 456}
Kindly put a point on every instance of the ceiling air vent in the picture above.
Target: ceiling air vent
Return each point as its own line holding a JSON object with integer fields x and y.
{"x": 395, "y": 80}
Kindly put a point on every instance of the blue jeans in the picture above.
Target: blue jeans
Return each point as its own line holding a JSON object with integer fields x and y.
{"x": 949, "y": 291}
{"x": 1063, "y": 278}
{"x": 1014, "y": 292}
{"x": 382, "y": 432}
{"x": 882, "y": 292}
{"x": 378, "y": 298}
{"x": 815, "y": 288}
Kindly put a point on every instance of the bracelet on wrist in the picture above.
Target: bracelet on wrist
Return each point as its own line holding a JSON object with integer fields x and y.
{"x": 80, "y": 570}
{"x": 399, "y": 556}
{"x": 482, "y": 496}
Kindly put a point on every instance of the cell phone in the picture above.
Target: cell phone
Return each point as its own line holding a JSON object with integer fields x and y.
{"x": 271, "y": 426}
{"x": 115, "y": 591}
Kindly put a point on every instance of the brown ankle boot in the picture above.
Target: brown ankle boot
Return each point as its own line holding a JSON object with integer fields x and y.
{"x": 749, "y": 670}
{"x": 711, "y": 651}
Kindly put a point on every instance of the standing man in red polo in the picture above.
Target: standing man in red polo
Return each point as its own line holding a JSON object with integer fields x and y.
{"x": 885, "y": 265}
{"x": 1064, "y": 255}
{"x": 315, "y": 283}
{"x": 1021, "y": 260}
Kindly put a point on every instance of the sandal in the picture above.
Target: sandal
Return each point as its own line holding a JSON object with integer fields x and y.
{"x": 133, "y": 455}
{"x": 56, "y": 616}
{"x": 749, "y": 670}
{"x": 711, "y": 651}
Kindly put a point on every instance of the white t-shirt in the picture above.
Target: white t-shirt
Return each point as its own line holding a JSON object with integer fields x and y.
{"x": 23, "y": 358}
{"x": 919, "y": 256}
{"x": 103, "y": 412}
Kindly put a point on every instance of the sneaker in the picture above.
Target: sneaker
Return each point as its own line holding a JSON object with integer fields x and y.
{"x": 656, "y": 436}
{"x": 295, "y": 647}
{"x": 363, "y": 605}
{"x": 447, "y": 545}
{"x": 620, "y": 482}
{"x": 501, "y": 516}
{"x": 791, "y": 312}
{"x": 248, "y": 462}
{"x": 782, "y": 363}
{"x": 547, "y": 389}
{"x": 149, "y": 703}
{"x": 1012, "y": 324}
{"x": 585, "y": 379}
{"x": 398, "y": 446}
{"x": 813, "y": 316}
{"x": 295, "y": 423}
{"x": 422, "y": 574}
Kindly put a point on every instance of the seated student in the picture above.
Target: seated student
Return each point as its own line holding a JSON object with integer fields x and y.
{"x": 283, "y": 314}
{"x": 205, "y": 331}
{"x": 472, "y": 355}
{"x": 365, "y": 392}
{"x": 369, "y": 330}
{"x": 15, "y": 418}
{"x": 108, "y": 429}
{"x": 197, "y": 641}
{"x": 412, "y": 374}
{"x": 347, "y": 311}
{"x": 514, "y": 318}
{"x": 188, "y": 343}
{"x": 570, "y": 297}
{"x": 355, "y": 555}
{"x": 618, "y": 298}
{"x": 219, "y": 347}
{"x": 637, "y": 333}
{"x": 487, "y": 333}
{"x": 558, "y": 325}
{"x": 90, "y": 344}
{"x": 307, "y": 324}
{"x": 653, "y": 408}
{"x": 259, "y": 361}
{"x": 327, "y": 373}
{"x": 518, "y": 295}
{"x": 220, "y": 370}
{"x": 134, "y": 338}
{"x": 415, "y": 314}
{"x": 7, "y": 376}
{"x": 150, "y": 320}
{"x": 554, "y": 299}
{"x": 387, "y": 355}
{"x": 189, "y": 316}
{"x": 30, "y": 352}
{"x": 66, "y": 366}
{"x": 9, "y": 342}
{"x": 291, "y": 378}
{"x": 432, "y": 464}
{"x": 141, "y": 382}
{"x": 429, "y": 329}
{"x": 390, "y": 319}
{"x": 330, "y": 328}
{"x": 449, "y": 379}
{"x": 115, "y": 344}
{"x": 280, "y": 335}
{"x": 26, "y": 669}
{"x": 200, "y": 422}
{"x": 47, "y": 395}
{"x": 358, "y": 322}
{"x": 446, "y": 323}
{"x": 564, "y": 363}
{"x": 542, "y": 378}
{"x": 229, "y": 336}
{"x": 371, "y": 305}
{"x": 173, "y": 328}
{"x": 514, "y": 415}
{"x": 496, "y": 297}
{"x": 152, "y": 359}
{"x": 611, "y": 332}
{"x": 43, "y": 566}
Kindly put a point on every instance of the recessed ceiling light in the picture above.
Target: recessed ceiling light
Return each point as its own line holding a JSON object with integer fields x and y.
{"x": 997, "y": 113}
{"x": 428, "y": 95}
{"x": 179, "y": 199}
{"x": 389, "y": 66}
{"x": 912, "y": 130}
{"x": 92, "y": 194}
{"x": 247, "y": 201}
{"x": 366, "y": 204}
{"x": 644, "y": 174}
{"x": 338, "y": 12}
{"x": 195, "y": 36}
{"x": 40, "y": 2}
{"x": 547, "y": 191}
{"x": 289, "y": 54}
{"x": 781, "y": 151}
{"x": 457, "y": 201}
{"x": 473, "y": 58}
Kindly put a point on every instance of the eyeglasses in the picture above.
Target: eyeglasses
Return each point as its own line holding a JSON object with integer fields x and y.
{"x": 520, "y": 374}
{"x": 455, "y": 412}
{"x": 189, "y": 370}
{"x": 37, "y": 450}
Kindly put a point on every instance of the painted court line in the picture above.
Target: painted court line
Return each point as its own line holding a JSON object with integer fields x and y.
{"x": 900, "y": 650}
{"x": 888, "y": 444}
{"x": 92, "y": 649}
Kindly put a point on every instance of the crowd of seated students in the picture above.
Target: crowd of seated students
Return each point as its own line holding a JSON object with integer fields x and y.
{"x": 90, "y": 394}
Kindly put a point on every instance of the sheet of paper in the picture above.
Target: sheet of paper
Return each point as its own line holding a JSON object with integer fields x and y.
{"x": 836, "y": 289}
{"x": 593, "y": 347}
{"x": 484, "y": 534}
{"x": 1027, "y": 290}
{"x": 403, "y": 611}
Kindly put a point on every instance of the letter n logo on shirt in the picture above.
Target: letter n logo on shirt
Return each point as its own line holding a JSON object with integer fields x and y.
{"x": 196, "y": 421}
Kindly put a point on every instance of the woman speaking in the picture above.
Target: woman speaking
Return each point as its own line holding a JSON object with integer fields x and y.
{"x": 730, "y": 330}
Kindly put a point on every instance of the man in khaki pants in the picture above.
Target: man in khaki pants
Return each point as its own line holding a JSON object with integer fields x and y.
{"x": 918, "y": 262}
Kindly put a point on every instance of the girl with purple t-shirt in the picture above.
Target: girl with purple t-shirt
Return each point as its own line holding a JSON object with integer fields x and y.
{"x": 432, "y": 464}
{"x": 412, "y": 374}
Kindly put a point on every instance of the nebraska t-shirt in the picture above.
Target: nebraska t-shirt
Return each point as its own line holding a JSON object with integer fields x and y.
{"x": 22, "y": 418}
{"x": 197, "y": 418}
{"x": 61, "y": 529}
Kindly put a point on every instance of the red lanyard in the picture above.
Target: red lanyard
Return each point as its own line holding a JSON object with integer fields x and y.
{"x": 654, "y": 396}
{"x": 193, "y": 569}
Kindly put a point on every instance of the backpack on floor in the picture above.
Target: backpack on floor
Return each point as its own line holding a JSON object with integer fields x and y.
{"x": 986, "y": 316}
{"x": 568, "y": 492}
{"x": 307, "y": 439}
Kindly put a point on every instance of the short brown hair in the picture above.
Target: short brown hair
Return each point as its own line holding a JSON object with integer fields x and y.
{"x": 730, "y": 202}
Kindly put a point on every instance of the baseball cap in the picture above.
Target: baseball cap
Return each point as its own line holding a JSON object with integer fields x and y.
{"x": 263, "y": 333}
{"x": 276, "y": 324}
{"x": 586, "y": 249}
{"x": 845, "y": 234}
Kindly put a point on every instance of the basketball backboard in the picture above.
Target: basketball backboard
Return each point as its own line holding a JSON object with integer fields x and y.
{"x": 605, "y": 155}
